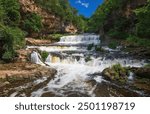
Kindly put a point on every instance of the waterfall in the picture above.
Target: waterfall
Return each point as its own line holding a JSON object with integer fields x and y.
{"x": 49, "y": 59}
{"x": 36, "y": 58}
{"x": 83, "y": 39}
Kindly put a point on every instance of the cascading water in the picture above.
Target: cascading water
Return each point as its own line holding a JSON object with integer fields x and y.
{"x": 79, "y": 72}
{"x": 36, "y": 58}
{"x": 80, "y": 39}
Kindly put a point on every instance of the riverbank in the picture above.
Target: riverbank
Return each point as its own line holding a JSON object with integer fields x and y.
{"x": 16, "y": 74}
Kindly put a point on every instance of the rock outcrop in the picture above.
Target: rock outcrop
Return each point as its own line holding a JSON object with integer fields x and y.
{"x": 50, "y": 21}
{"x": 24, "y": 71}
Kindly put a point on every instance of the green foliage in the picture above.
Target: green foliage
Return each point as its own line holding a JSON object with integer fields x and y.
{"x": 13, "y": 39}
{"x": 55, "y": 37}
{"x": 110, "y": 19}
{"x": 143, "y": 25}
{"x": 11, "y": 15}
{"x": 44, "y": 55}
{"x": 101, "y": 15}
{"x": 138, "y": 41}
{"x": 11, "y": 36}
{"x": 7, "y": 56}
{"x": 120, "y": 73}
{"x": 32, "y": 23}
{"x": 63, "y": 9}
{"x": 147, "y": 66}
{"x": 117, "y": 34}
{"x": 118, "y": 67}
{"x": 113, "y": 45}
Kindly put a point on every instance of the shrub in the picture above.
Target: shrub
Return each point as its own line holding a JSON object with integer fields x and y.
{"x": 8, "y": 56}
{"x": 138, "y": 41}
{"x": 55, "y": 37}
{"x": 32, "y": 23}
{"x": 143, "y": 25}
{"x": 113, "y": 45}
{"x": 13, "y": 38}
{"x": 44, "y": 55}
{"x": 147, "y": 66}
{"x": 117, "y": 34}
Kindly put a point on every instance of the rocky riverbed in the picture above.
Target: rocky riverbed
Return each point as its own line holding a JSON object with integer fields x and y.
{"x": 15, "y": 74}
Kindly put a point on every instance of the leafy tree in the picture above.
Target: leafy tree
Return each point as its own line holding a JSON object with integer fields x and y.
{"x": 12, "y": 14}
{"x": 143, "y": 25}
{"x": 13, "y": 39}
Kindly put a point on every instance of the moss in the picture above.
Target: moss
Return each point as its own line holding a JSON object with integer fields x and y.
{"x": 116, "y": 73}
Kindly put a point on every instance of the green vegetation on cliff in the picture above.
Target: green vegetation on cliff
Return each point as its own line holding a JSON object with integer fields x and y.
{"x": 11, "y": 37}
{"x": 123, "y": 19}
{"x": 63, "y": 9}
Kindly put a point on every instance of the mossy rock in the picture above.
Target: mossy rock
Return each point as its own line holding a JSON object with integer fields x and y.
{"x": 116, "y": 73}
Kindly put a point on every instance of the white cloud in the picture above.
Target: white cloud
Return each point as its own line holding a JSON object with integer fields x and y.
{"x": 83, "y": 3}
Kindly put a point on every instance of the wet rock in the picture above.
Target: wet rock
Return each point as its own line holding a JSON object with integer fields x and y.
{"x": 6, "y": 83}
{"x": 15, "y": 74}
{"x": 37, "y": 42}
{"x": 116, "y": 73}
{"x": 141, "y": 72}
{"x": 48, "y": 94}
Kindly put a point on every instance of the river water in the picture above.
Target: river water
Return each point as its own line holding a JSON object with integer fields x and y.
{"x": 79, "y": 70}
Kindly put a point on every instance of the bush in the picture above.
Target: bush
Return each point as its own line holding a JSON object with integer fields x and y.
{"x": 44, "y": 55}
{"x": 32, "y": 23}
{"x": 11, "y": 12}
{"x": 55, "y": 37}
{"x": 113, "y": 45}
{"x": 117, "y": 34}
{"x": 143, "y": 25}
{"x": 13, "y": 38}
{"x": 8, "y": 56}
{"x": 138, "y": 41}
{"x": 147, "y": 66}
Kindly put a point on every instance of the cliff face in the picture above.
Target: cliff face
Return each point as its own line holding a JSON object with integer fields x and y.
{"x": 50, "y": 22}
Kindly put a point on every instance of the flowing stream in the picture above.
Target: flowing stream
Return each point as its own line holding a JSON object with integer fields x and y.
{"x": 79, "y": 71}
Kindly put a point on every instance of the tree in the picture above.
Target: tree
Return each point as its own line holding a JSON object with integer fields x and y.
{"x": 32, "y": 23}
{"x": 143, "y": 25}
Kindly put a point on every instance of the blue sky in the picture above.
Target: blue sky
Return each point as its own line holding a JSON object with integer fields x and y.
{"x": 86, "y": 7}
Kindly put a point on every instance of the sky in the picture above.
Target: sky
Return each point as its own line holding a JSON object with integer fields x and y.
{"x": 86, "y": 7}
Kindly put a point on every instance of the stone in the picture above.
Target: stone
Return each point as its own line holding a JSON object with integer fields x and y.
{"x": 6, "y": 83}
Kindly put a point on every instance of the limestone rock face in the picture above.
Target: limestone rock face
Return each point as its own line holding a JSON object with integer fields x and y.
{"x": 50, "y": 21}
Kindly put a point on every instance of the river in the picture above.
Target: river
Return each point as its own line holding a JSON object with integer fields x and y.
{"x": 79, "y": 70}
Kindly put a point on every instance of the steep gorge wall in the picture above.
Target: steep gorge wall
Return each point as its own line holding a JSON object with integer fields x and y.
{"x": 50, "y": 21}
